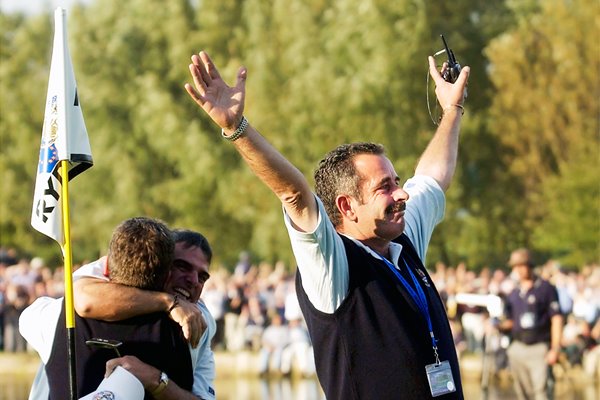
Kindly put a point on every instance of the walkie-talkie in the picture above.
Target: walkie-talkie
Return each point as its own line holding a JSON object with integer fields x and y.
{"x": 451, "y": 73}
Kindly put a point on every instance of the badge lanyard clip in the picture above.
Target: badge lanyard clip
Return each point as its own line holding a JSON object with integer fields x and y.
{"x": 418, "y": 297}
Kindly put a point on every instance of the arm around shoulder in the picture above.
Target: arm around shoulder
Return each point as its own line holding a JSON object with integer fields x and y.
{"x": 99, "y": 299}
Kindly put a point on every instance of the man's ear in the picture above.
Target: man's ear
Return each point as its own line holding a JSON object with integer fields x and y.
{"x": 344, "y": 204}
{"x": 105, "y": 270}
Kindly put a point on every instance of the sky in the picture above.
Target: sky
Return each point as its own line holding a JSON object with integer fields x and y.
{"x": 36, "y": 6}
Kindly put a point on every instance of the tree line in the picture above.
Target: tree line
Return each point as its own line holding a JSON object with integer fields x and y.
{"x": 320, "y": 73}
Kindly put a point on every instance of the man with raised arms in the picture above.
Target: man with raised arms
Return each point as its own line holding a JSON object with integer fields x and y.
{"x": 378, "y": 326}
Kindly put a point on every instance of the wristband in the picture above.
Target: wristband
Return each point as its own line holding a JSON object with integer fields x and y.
{"x": 238, "y": 132}
{"x": 462, "y": 109}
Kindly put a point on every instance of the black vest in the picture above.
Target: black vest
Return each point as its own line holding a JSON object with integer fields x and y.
{"x": 376, "y": 344}
{"x": 153, "y": 338}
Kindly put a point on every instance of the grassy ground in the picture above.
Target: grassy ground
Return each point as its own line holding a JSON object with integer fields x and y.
{"x": 18, "y": 363}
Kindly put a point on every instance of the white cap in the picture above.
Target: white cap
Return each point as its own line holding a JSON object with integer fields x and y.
{"x": 120, "y": 385}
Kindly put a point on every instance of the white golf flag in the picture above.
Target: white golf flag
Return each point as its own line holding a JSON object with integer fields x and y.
{"x": 64, "y": 137}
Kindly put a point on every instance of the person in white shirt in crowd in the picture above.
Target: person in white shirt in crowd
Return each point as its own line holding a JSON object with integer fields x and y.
{"x": 274, "y": 339}
{"x": 214, "y": 296}
{"x": 298, "y": 353}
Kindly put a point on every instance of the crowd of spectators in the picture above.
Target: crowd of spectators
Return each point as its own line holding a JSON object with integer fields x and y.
{"x": 256, "y": 309}
{"x": 474, "y": 305}
{"x": 22, "y": 280}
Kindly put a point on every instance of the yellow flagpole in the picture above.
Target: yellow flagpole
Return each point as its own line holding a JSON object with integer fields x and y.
{"x": 64, "y": 146}
{"x": 68, "y": 267}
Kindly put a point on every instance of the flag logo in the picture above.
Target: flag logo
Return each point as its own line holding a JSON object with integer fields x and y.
{"x": 50, "y": 131}
{"x": 48, "y": 159}
{"x": 48, "y": 150}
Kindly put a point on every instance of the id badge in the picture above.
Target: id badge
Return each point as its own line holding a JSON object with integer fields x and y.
{"x": 440, "y": 378}
{"x": 527, "y": 320}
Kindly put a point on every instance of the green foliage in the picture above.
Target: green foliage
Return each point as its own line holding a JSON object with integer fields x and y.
{"x": 24, "y": 71}
{"x": 545, "y": 112}
{"x": 570, "y": 229}
{"x": 320, "y": 73}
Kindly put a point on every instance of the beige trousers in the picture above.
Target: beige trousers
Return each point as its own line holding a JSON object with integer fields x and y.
{"x": 529, "y": 370}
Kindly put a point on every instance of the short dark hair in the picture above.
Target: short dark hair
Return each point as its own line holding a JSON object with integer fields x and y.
{"x": 193, "y": 239}
{"x": 140, "y": 253}
{"x": 336, "y": 174}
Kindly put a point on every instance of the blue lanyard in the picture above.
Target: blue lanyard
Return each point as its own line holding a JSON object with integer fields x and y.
{"x": 418, "y": 296}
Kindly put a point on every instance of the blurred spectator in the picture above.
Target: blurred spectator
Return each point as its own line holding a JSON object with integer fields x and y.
{"x": 234, "y": 330}
{"x": 591, "y": 356}
{"x": 299, "y": 350}
{"x": 459, "y": 338}
{"x": 585, "y": 306}
{"x": 17, "y": 299}
{"x": 273, "y": 340}
{"x": 21, "y": 274}
{"x": 292, "y": 307}
{"x": 576, "y": 339}
{"x": 214, "y": 295}
{"x": 496, "y": 285}
{"x": 565, "y": 299}
{"x": 535, "y": 324}
{"x": 253, "y": 320}
{"x": 243, "y": 265}
{"x": 8, "y": 256}
{"x": 472, "y": 320}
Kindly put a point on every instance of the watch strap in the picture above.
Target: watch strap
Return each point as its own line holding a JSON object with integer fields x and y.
{"x": 163, "y": 381}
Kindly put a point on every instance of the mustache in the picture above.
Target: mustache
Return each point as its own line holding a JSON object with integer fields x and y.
{"x": 396, "y": 207}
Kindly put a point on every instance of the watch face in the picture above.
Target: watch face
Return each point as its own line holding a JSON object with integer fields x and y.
{"x": 164, "y": 378}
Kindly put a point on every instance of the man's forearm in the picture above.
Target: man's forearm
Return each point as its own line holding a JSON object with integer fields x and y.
{"x": 94, "y": 298}
{"x": 281, "y": 176}
{"x": 439, "y": 158}
{"x": 556, "y": 328}
{"x": 149, "y": 377}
